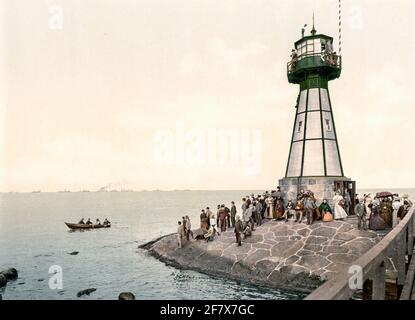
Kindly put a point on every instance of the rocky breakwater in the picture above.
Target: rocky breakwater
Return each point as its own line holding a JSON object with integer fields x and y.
{"x": 5, "y": 276}
{"x": 280, "y": 255}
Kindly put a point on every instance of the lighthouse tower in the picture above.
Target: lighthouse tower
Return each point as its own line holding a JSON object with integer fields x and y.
{"x": 314, "y": 161}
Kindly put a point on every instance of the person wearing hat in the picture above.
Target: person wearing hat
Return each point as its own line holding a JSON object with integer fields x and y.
{"x": 203, "y": 220}
{"x": 258, "y": 212}
{"x": 222, "y": 218}
{"x": 339, "y": 213}
{"x": 233, "y": 214}
{"x": 396, "y": 205}
{"x": 294, "y": 58}
{"x": 238, "y": 229}
{"x": 269, "y": 207}
{"x": 405, "y": 197}
{"x": 360, "y": 211}
{"x": 180, "y": 234}
{"x": 309, "y": 207}
{"x": 289, "y": 211}
{"x": 326, "y": 212}
{"x": 228, "y": 216}
{"x": 278, "y": 193}
{"x": 404, "y": 209}
{"x": 213, "y": 221}
{"x": 376, "y": 222}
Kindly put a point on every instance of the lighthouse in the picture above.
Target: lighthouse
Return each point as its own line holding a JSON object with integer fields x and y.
{"x": 314, "y": 161}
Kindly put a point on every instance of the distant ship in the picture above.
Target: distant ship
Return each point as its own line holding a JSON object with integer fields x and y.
{"x": 127, "y": 190}
{"x": 64, "y": 191}
{"x": 85, "y": 191}
{"x": 37, "y": 191}
{"x": 113, "y": 190}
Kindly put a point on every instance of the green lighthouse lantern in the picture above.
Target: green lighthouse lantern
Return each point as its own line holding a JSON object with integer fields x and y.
{"x": 314, "y": 62}
{"x": 314, "y": 161}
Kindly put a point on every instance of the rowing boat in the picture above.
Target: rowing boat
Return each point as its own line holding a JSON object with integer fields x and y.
{"x": 86, "y": 226}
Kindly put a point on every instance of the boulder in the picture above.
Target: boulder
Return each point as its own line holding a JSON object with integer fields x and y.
{"x": 126, "y": 296}
{"x": 10, "y": 274}
{"x": 3, "y": 280}
{"x": 85, "y": 292}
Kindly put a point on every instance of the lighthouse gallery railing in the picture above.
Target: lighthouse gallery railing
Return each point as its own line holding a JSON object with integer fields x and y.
{"x": 314, "y": 60}
{"x": 396, "y": 244}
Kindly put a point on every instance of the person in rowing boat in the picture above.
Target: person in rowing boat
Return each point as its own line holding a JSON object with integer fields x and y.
{"x": 98, "y": 222}
{"x": 89, "y": 221}
{"x": 106, "y": 222}
{"x": 81, "y": 221}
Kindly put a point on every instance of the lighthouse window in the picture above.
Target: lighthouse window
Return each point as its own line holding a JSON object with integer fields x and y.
{"x": 328, "y": 125}
{"x": 299, "y": 127}
{"x": 302, "y": 102}
{"x": 325, "y": 104}
{"x": 317, "y": 46}
{"x": 332, "y": 158}
{"x": 313, "y": 100}
{"x": 310, "y": 46}
{"x": 313, "y": 130}
{"x": 302, "y": 48}
{"x": 313, "y": 158}
{"x": 294, "y": 164}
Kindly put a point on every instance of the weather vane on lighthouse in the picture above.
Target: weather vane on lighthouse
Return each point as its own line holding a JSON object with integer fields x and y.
{"x": 314, "y": 161}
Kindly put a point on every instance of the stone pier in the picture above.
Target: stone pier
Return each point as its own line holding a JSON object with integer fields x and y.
{"x": 280, "y": 255}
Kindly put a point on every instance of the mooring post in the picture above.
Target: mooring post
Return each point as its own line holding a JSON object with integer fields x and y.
{"x": 401, "y": 263}
{"x": 410, "y": 246}
{"x": 413, "y": 224}
{"x": 378, "y": 284}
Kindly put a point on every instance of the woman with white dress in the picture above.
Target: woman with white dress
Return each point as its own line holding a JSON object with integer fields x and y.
{"x": 367, "y": 201}
{"x": 339, "y": 212}
{"x": 269, "y": 202}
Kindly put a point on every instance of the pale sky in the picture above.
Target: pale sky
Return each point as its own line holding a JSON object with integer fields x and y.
{"x": 87, "y": 86}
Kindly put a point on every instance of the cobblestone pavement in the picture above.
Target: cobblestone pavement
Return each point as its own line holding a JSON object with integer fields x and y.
{"x": 288, "y": 254}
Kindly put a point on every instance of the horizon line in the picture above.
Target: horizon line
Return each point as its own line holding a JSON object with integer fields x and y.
{"x": 171, "y": 190}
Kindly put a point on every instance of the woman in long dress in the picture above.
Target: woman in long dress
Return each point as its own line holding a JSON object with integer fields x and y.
{"x": 325, "y": 211}
{"x": 269, "y": 201}
{"x": 339, "y": 212}
{"x": 368, "y": 201}
{"x": 279, "y": 209}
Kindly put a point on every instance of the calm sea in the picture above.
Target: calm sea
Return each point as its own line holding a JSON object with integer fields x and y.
{"x": 33, "y": 237}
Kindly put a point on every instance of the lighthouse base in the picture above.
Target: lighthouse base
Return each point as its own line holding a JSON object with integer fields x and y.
{"x": 322, "y": 187}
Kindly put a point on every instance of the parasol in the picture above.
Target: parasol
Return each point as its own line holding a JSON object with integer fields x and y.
{"x": 384, "y": 194}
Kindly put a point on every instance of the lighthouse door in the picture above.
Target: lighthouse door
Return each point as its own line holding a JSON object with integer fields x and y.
{"x": 339, "y": 187}
{"x": 351, "y": 188}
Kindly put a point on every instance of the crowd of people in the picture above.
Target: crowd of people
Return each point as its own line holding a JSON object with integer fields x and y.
{"x": 376, "y": 214}
{"x": 97, "y": 222}
{"x": 382, "y": 211}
